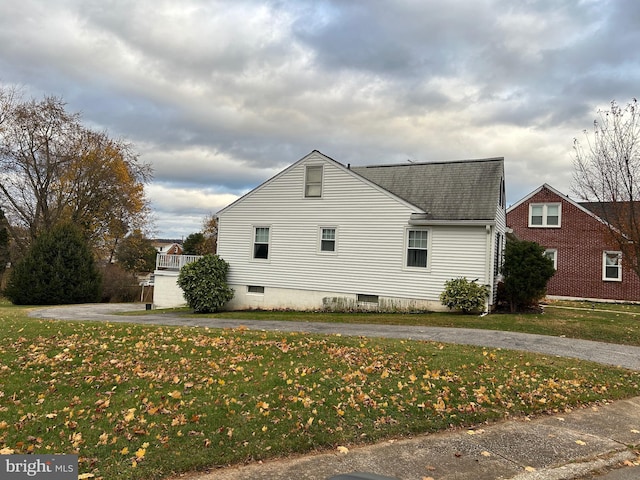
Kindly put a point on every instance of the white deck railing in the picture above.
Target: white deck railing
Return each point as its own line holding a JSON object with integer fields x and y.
{"x": 174, "y": 262}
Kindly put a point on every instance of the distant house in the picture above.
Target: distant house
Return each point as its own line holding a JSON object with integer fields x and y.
{"x": 168, "y": 247}
{"x": 588, "y": 263}
{"x": 323, "y": 234}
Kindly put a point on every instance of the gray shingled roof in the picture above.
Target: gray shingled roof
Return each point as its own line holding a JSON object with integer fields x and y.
{"x": 461, "y": 190}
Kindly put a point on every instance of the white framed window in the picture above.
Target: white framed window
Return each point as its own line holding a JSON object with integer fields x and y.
{"x": 261, "y": 243}
{"x": 545, "y": 215}
{"x": 417, "y": 248}
{"x": 328, "y": 240}
{"x": 552, "y": 254}
{"x": 612, "y": 266}
{"x": 313, "y": 181}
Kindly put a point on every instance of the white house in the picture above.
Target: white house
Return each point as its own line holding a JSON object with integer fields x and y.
{"x": 323, "y": 234}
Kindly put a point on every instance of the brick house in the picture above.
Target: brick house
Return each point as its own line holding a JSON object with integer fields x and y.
{"x": 588, "y": 263}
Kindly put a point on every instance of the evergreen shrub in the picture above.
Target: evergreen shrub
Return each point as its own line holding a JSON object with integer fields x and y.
{"x": 59, "y": 268}
{"x": 204, "y": 283}
{"x": 464, "y": 295}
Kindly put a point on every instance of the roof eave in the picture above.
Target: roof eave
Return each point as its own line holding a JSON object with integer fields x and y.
{"x": 419, "y": 222}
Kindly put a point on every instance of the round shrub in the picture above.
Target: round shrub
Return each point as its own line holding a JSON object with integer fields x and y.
{"x": 464, "y": 295}
{"x": 204, "y": 283}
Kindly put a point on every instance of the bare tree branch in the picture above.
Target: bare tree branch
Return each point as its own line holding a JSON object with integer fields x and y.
{"x": 607, "y": 171}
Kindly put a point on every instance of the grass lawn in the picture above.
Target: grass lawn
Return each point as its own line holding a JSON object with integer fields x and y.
{"x": 141, "y": 402}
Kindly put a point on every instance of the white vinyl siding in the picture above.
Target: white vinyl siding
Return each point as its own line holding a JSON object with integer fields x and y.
{"x": 371, "y": 226}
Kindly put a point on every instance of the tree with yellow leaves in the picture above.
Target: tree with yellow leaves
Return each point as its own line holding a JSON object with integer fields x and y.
{"x": 55, "y": 170}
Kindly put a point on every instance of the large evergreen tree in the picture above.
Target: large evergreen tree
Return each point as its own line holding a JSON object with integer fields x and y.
{"x": 58, "y": 269}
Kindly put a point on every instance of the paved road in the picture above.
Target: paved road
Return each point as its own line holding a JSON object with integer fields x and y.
{"x": 605, "y": 353}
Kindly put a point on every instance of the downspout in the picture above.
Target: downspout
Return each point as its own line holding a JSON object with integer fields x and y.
{"x": 489, "y": 278}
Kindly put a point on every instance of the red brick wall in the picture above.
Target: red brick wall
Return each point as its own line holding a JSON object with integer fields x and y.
{"x": 579, "y": 242}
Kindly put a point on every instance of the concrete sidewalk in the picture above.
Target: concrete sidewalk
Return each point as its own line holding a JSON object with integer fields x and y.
{"x": 578, "y": 445}
{"x": 583, "y": 444}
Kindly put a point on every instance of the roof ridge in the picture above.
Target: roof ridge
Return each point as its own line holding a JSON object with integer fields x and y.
{"x": 440, "y": 162}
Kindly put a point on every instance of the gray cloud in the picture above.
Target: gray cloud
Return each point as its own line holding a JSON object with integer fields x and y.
{"x": 218, "y": 96}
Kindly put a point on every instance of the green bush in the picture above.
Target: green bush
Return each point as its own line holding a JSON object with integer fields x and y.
{"x": 526, "y": 272}
{"x": 204, "y": 283}
{"x": 464, "y": 295}
{"x": 58, "y": 269}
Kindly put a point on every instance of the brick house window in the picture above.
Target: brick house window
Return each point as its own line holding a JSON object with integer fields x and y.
{"x": 612, "y": 266}
{"x": 552, "y": 254}
{"x": 545, "y": 215}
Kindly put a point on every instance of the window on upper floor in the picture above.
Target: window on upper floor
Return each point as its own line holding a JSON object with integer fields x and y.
{"x": 552, "y": 254}
{"x": 417, "y": 248}
{"x": 313, "y": 181}
{"x": 612, "y": 266}
{"x": 545, "y": 215}
{"x": 328, "y": 240}
{"x": 261, "y": 243}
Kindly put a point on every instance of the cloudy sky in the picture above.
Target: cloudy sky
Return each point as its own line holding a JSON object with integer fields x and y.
{"x": 220, "y": 95}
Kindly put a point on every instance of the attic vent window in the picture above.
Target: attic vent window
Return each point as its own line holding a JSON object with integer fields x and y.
{"x": 313, "y": 181}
